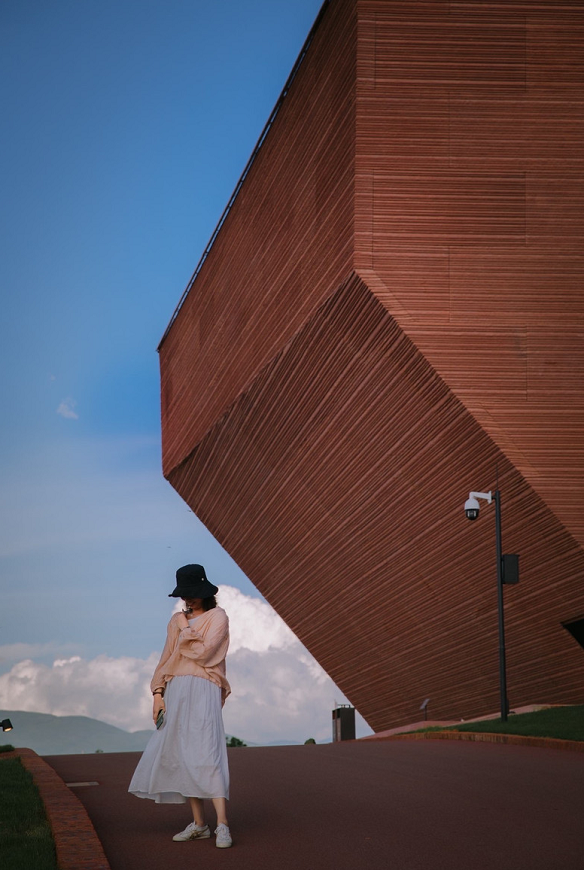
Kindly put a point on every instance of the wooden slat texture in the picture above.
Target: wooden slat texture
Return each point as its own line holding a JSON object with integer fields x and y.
{"x": 451, "y": 207}
{"x": 555, "y": 363}
{"x": 469, "y": 210}
{"x": 392, "y": 310}
{"x": 449, "y": 50}
{"x": 472, "y": 369}
{"x": 405, "y": 130}
{"x": 534, "y": 131}
{"x": 555, "y": 46}
{"x": 419, "y": 274}
{"x": 555, "y": 210}
{"x": 527, "y": 286}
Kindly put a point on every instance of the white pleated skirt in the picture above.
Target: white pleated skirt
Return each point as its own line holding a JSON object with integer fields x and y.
{"x": 187, "y": 757}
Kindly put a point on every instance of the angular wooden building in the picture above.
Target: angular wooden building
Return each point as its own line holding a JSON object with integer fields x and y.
{"x": 390, "y": 314}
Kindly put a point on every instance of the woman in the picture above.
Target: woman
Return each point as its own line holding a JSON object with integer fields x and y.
{"x": 187, "y": 756}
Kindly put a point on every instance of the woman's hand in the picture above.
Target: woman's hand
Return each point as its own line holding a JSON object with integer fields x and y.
{"x": 181, "y": 620}
{"x": 157, "y": 706}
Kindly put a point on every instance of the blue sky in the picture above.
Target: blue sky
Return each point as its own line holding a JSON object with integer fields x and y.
{"x": 126, "y": 126}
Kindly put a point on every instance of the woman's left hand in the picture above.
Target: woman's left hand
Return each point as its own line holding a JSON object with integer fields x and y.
{"x": 157, "y": 705}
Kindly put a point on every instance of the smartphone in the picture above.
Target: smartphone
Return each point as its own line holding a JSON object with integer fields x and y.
{"x": 160, "y": 719}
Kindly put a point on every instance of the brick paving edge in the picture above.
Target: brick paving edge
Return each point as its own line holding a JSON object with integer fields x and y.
{"x": 77, "y": 845}
{"x": 486, "y": 737}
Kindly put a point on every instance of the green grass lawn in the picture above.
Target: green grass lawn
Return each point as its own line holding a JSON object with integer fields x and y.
{"x": 563, "y": 723}
{"x": 26, "y": 841}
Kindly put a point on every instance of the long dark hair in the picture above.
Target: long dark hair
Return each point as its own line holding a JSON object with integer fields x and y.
{"x": 209, "y": 603}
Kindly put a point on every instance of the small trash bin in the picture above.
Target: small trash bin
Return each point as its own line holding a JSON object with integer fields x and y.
{"x": 343, "y": 723}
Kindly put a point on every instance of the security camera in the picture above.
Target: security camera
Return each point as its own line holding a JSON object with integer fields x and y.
{"x": 471, "y": 506}
{"x": 471, "y": 509}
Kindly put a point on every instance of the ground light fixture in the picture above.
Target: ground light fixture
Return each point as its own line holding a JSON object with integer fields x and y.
{"x": 507, "y": 572}
{"x": 6, "y": 725}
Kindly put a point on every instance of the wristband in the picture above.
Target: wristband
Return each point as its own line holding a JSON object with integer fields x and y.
{"x": 159, "y": 692}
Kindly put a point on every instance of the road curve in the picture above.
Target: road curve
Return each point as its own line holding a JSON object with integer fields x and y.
{"x": 411, "y": 805}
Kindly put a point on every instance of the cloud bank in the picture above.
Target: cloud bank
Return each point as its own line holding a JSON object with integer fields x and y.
{"x": 279, "y": 692}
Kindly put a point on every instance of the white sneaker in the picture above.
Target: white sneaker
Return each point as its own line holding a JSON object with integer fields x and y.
{"x": 223, "y": 840}
{"x": 193, "y": 832}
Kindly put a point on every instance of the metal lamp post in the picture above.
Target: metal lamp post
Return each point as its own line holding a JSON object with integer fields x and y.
{"x": 507, "y": 572}
{"x": 502, "y": 663}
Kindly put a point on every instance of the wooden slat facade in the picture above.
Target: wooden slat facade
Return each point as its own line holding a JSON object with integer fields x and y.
{"x": 392, "y": 310}
{"x": 469, "y": 192}
{"x": 287, "y": 240}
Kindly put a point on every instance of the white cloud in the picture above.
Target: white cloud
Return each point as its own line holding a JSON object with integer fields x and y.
{"x": 279, "y": 692}
{"x": 253, "y": 624}
{"x": 61, "y": 663}
{"x": 113, "y": 690}
{"x": 65, "y": 409}
{"x": 15, "y": 652}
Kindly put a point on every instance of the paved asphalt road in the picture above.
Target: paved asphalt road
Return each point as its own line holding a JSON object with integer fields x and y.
{"x": 403, "y": 805}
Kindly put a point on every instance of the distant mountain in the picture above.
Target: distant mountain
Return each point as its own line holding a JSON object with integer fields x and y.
{"x": 80, "y": 735}
{"x": 69, "y": 735}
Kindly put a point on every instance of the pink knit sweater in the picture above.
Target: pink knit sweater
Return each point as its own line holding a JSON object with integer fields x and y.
{"x": 198, "y": 651}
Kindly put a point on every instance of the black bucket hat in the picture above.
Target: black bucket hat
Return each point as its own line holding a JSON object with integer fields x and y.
{"x": 191, "y": 582}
